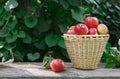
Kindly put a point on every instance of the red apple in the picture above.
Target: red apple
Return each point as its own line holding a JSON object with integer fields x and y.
{"x": 92, "y": 31}
{"x": 57, "y": 65}
{"x": 81, "y": 29}
{"x": 91, "y": 22}
{"x": 102, "y": 29}
{"x": 71, "y": 30}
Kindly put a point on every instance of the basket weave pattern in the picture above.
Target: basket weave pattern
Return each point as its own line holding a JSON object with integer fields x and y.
{"x": 85, "y": 51}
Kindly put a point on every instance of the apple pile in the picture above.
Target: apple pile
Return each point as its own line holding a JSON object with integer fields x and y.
{"x": 91, "y": 26}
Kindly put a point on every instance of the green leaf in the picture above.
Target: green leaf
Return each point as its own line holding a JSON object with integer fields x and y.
{"x": 119, "y": 42}
{"x": 10, "y": 45}
{"x": 74, "y": 3}
{"x": 19, "y": 56}
{"x": 113, "y": 50}
{"x": 64, "y": 3}
{"x": 4, "y": 32}
{"x": 44, "y": 25}
{"x": 10, "y": 61}
{"x": 22, "y": 13}
{"x": 40, "y": 44}
{"x": 1, "y": 9}
{"x": 30, "y": 21}
{"x": 51, "y": 39}
{"x": 21, "y": 34}
{"x": 110, "y": 65}
{"x": 5, "y": 15}
{"x": 98, "y": 1}
{"x": 77, "y": 14}
{"x": 118, "y": 58}
{"x": 11, "y": 38}
{"x": 1, "y": 55}
{"x": 47, "y": 61}
{"x": 108, "y": 4}
{"x": 61, "y": 42}
{"x": 1, "y": 22}
{"x": 108, "y": 45}
{"x": 12, "y": 22}
{"x": 33, "y": 57}
{"x": 93, "y": 2}
{"x": 10, "y": 4}
{"x": 2, "y": 44}
{"x": 14, "y": 32}
{"x": 6, "y": 55}
{"x": 27, "y": 39}
{"x": 86, "y": 8}
{"x": 111, "y": 61}
{"x": 36, "y": 3}
{"x": 63, "y": 28}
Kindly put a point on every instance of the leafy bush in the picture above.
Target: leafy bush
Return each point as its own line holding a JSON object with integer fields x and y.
{"x": 112, "y": 56}
{"x": 30, "y": 29}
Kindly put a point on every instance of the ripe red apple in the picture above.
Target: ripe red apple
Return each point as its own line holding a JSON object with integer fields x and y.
{"x": 57, "y": 65}
{"x": 92, "y": 31}
{"x": 71, "y": 30}
{"x": 91, "y": 22}
{"x": 81, "y": 29}
{"x": 102, "y": 29}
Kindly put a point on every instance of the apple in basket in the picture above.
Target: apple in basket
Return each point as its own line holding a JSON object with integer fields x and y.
{"x": 91, "y": 22}
{"x": 92, "y": 31}
{"x": 81, "y": 29}
{"x": 71, "y": 30}
{"x": 102, "y": 29}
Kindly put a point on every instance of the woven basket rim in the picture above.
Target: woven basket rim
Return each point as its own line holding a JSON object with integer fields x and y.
{"x": 99, "y": 35}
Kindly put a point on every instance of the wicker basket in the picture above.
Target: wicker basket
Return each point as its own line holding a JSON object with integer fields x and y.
{"x": 85, "y": 51}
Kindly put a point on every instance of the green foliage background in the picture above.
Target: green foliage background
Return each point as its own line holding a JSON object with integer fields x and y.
{"x": 29, "y": 29}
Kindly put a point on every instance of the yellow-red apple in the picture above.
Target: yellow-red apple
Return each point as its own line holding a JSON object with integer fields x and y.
{"x": 102, "y": 29}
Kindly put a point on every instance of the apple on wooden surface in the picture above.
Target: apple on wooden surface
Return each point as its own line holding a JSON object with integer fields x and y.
{"x": 57, "y": 65}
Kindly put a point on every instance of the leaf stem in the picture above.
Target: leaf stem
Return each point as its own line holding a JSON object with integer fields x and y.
{"x": 11, "y": 53}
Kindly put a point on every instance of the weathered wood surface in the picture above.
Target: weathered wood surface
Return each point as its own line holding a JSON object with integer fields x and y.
{"x": 36, "y": 71}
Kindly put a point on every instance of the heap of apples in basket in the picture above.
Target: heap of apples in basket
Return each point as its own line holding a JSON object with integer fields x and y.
{"x": 91, "y": 26}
